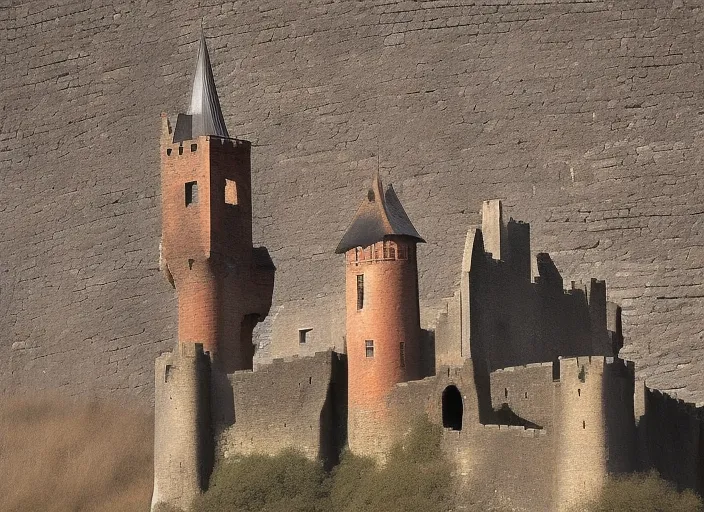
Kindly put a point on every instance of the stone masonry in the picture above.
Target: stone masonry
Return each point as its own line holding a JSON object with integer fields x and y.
{"x": 583, "y": 116}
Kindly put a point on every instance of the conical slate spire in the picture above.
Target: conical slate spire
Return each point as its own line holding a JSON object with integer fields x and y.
{"x": 380, "y": 214}
{"x": 206, "y": 116}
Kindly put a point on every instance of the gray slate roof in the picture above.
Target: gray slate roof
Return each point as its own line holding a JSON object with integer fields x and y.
{"x": 204, "y": 116}
{"x": 380, "y": 214}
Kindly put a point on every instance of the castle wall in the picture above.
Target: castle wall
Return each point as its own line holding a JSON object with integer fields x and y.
{"x": 508, "y": 464}
{"x": 596, "y": 426}
{"x": 580, "y": 426}
{"x": 582, "y": 116}
{"x": 298, "y": 403}
{"x": 530, "y": 392}
{"x": 672, "y": 433}
{"x": 183, "y": 444}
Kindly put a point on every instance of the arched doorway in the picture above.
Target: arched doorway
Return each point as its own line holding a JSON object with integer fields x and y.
{"x": 452, "y": 408}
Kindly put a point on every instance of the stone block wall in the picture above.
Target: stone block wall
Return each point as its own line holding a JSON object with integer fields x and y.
{"x": 582, "y": 116}
{"x": 183, "y": 442}
{"x": 298, "y": 403}
{"x": 671, "y": 433}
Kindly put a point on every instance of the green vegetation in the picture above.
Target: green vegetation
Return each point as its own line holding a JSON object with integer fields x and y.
{"x": 416, "y": 477}
{"x": 644, "y": 492}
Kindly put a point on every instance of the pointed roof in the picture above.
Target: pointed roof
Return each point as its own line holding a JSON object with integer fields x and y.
{"x": 204, "y": 114}
{"x": 380, "y": 214}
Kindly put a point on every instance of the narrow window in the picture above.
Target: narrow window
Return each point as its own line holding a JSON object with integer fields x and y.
{"x": 360, "y": 291}
{"x": 191, "y": 193}
{"x": 230, "y": 192}
{"x": 168, "y": 152}
{"x": 303, "y": 336}
{"x": 579, "y": 392}
{"x": 369, "y": 348}
{"x": 525, "y": 395}
{"x": 505, "y": 392}
{"x": 402, "y": 353}
{"x": 584, "y": 424}
{"x": 180, "y": 150}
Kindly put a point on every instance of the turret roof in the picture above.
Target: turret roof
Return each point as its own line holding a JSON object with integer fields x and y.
{"x": 380, "y": 214}
{"x": 204, "y": 116}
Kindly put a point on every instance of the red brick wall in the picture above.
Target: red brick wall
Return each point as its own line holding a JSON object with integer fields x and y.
{"x": 390, "y": 315}
{"x": 207, "y": 245}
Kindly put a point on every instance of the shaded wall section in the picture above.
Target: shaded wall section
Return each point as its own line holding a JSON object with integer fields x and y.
{"x": 671, "y": 436}
{"x": 299, "y": 403}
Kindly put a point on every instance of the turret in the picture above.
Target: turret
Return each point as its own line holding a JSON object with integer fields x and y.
{"x": 223, "y": 283}
{"x": 207, "y": 226}
{"x": 383, "y": 318}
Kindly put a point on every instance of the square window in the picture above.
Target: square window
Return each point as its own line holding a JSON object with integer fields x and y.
{"x": 230, "y": 192}
{"x": 303, "y": 336}
{"x": 369, "y": 348}
{"x": 191, "y": 193}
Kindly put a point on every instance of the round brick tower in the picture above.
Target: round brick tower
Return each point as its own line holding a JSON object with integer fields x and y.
{"x": 383, "y": 315}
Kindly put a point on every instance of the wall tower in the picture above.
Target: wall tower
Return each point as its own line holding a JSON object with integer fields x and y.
{"x": 383, "y": 319}
{"x": 207, "y": 228}
{"x": 223, "y": 283}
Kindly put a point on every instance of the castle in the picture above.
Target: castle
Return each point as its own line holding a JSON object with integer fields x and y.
{"x": 520, "y": 372}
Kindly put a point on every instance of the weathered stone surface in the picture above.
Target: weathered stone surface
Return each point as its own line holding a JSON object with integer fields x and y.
{"x": 585, "y": 117}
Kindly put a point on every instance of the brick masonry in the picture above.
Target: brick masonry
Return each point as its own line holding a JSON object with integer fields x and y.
{"x": 585, "y": 117}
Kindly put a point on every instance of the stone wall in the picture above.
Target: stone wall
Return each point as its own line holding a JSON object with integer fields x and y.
{"x": 584, "y": 116}
{"x": 671, "y": 433}
{"x": 298, "y": 403}
{"x": 183, "y": 443}
{"x": 574, "y": 421}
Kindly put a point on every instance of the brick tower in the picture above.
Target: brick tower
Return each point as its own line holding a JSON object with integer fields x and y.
{"x": 223, "y": 284}
{"x": 207, "y": 228}
{"x": 383, "y": 316}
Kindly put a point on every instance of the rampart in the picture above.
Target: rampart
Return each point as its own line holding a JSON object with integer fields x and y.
{"x": 582, "y": 116}
{"x": 573, "y": 419}
{"x": 294, "y": 403}
{"x": 671, "y": 437}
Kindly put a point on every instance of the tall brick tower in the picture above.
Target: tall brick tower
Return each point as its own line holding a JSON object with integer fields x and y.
{"x": 383, "y": 315}
{"x": 207, "y": 228}
{"x": 223, "y": 283}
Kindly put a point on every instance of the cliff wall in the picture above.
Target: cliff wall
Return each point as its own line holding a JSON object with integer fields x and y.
{"x": 583, "y": 116}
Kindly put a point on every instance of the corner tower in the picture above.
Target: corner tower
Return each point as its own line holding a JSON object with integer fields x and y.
{"x": 223, "y": 284}
{"x": 207, "y": 249}
{"x": 383, "y": 314}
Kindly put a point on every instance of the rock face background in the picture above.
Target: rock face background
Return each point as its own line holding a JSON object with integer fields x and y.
{"x": 585, "y": 117}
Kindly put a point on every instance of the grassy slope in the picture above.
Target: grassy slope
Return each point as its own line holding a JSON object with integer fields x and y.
{"x": 57, "y": 455}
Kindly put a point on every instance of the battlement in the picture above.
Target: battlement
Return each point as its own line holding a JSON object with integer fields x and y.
{"x": 214, "y": 141}
{"x": 523, "y": 367}
{"x": 386, "y": 250}
{"x": 594, "y": 361}
{"x": 321, "y": 354}
{"x": 696, "y": 409}
{"x": 516, "y": 429}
